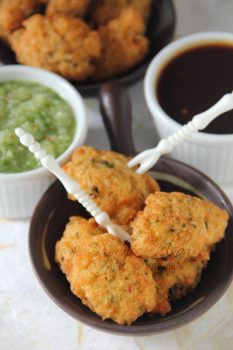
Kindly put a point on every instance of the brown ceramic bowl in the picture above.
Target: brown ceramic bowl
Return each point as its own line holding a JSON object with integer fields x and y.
{"x": 160, "y": 31}
{"x": 54, "y": 210}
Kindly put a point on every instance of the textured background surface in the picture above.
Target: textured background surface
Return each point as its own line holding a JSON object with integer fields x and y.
{"x": 29, "y": 320}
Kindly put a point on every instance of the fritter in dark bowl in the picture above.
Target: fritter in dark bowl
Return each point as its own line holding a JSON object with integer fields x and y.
{"x": 114, "y": 187}
{"x": 104, "y": 273}
{"x": 65, "y": 45}
{"x": 175, "y": 223}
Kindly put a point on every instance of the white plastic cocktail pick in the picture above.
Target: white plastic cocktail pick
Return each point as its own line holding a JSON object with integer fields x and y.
{"x": 70, "y": 184}
{"x": 148, "y": 158}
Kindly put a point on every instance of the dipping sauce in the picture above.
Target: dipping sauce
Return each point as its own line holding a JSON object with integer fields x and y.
{"x": 196, "y": 79}
{"x": 41, "y": 112}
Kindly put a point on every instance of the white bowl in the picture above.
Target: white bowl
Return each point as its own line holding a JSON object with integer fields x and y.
{"x": 20, "y": 192}
{"x": 211, "y": 153}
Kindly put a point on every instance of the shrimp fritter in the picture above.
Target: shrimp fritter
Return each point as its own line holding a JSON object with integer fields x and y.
{"x": 104, "y": 273}
{"x": 106, "y": 10}
{"x": 123, "y": 45}
{"x": 61, "y": 44}
{"x": 114, "y": 187}
{"x": 13, "y": 13}
{"x": 75, "y": 8}
{"x": 175, "y": 276}
{"x": 176, "y": 223}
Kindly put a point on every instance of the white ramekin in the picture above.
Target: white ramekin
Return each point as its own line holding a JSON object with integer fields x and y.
{"x": 19, "y": 192}
{"x": 212, "y": 154}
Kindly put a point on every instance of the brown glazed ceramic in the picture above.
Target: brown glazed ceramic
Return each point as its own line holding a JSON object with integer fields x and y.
{"x": 160, "y": 31}
{"x": 54, "y": 210}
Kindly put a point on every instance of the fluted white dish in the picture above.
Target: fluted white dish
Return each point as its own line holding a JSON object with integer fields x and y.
{"x": 211, "y": 153}
{"x": 20, "y": 192}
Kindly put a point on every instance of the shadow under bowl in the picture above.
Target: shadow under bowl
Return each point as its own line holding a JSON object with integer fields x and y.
{"x": 52, "y": 214}
{"x": 160, "y": 31}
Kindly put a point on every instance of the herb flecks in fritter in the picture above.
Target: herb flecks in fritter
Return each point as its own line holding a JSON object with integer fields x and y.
{"x": 104, "y": 273}
{"x": 62, "y": 44}
{"x": 175, "y": 276}
{"x": 104, "y": 175}
{"x": 177, "y": 224}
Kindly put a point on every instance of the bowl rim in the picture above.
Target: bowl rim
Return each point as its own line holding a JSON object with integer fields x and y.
{"x": 197, "y": 309}
{"x": 72, "y": 97}
{"x": 153, "y": 73}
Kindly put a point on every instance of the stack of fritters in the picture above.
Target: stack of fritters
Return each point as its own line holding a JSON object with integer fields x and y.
{"x": 79, "y": 39}
{"x": 172, "y": 234}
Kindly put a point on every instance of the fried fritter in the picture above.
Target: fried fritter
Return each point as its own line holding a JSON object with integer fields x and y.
{"x": 175, "y": 276}
{"x": 176, "y": 223}
{"x": 123, "y": 45}
{"x": 104, "y": 175}
{"x": 64, "y": 45}
{"x": 76, "y": 228}
{"x": 13, "y": 13}
{"x": 75, "y": 8}
{"x": 106, "y": 10}
{"x": 104, "y": 273}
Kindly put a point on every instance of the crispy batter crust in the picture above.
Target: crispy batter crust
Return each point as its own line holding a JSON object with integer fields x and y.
{"x": 106, "y": 10}
{"x": 61, "y": 44}
{"x": 104, "y": 273}
{"x": 71, "y": 8}
{"x": 13, "y": 13}
{"x": 96, "y": 263}
{"x": 175, "y": 276}
{"x": 76, "y": 228}
{"x": 104, "y": 175}
{"x": 123, "y": 45}
{"x": 175, "y": 223}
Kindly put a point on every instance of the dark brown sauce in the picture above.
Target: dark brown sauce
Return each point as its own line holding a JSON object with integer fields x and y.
{"x": 195, "y": 80}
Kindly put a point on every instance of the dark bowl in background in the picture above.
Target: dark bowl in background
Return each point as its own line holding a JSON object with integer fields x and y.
{"x": 160, "y": 31}
{"x": 54, "y": 209}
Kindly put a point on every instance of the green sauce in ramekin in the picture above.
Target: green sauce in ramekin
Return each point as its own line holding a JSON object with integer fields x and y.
{"x": 41, "y": 112}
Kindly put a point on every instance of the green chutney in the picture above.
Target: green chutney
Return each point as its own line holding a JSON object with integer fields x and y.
{"x": 41, "y": 112}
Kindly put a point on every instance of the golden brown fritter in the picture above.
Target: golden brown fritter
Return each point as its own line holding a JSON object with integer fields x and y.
{"x": 104, "y": 175}
{"x": 104, "y": 273}
{"x": 175, "y": 276}
{"x": 13, "y": 13}
{"x": 106, "y": 10}
{"x": 176, "y": 223}
{"x": 123, "y": 45}
{"x": 61, "y": 44}
{"x": 76, "y": 228}
{"x": 74, "y": 8}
